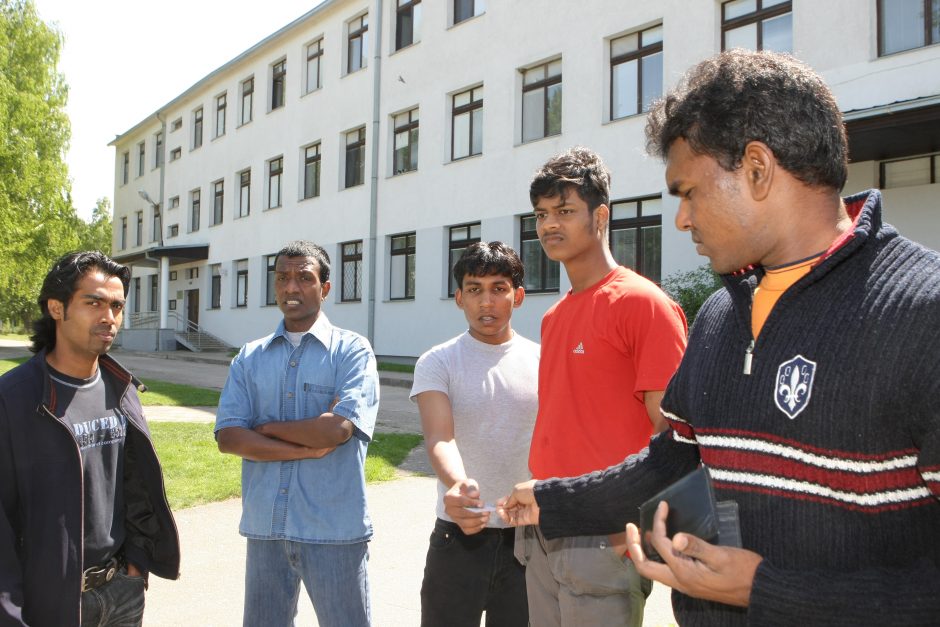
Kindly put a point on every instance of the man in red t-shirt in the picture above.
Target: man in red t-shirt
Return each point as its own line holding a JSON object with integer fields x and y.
{"x": 609, "y": 347}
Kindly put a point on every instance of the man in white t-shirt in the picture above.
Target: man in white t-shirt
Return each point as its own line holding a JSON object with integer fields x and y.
{"x": 478, "y": 398}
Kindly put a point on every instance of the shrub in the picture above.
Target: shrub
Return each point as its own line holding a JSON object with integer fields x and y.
{"x": 691, "y": 289}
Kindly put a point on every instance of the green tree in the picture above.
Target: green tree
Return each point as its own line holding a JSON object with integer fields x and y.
{"x": 96, "y": 235}
{"x": 37, "y": 220}
{"x": 691, "y": 289}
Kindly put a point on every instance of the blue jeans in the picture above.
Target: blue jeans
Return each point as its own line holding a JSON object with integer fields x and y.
{"x": 465, "y": 575}
{"x": 118, "y": 603}
{"x": 334, "y": 575}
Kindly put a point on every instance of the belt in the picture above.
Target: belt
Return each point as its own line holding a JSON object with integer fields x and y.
{"x": 453, "y": 527}
{"x": 97, "y": 576}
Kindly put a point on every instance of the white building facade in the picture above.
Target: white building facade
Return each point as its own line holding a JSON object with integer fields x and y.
{"x": 395, "y": 132}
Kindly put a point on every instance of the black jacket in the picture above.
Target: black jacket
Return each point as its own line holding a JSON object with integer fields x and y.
{"x": 41, "y": 496}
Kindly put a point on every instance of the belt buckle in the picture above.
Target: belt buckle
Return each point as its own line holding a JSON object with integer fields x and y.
{"x": 92, "y": 577}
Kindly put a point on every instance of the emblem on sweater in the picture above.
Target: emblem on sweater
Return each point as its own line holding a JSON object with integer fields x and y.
{"x": 579, "y": 349}
{"x": 794, "y": 385}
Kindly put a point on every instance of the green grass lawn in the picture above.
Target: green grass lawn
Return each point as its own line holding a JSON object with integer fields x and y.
{"x": 9, "y": 364}
{"x": 15, "y": 336}
{"x": 196, "y": 473}
{"x": 390, "y": 367}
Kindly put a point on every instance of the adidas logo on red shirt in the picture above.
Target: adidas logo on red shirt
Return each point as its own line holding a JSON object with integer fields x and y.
{"x": 579, "y": 350}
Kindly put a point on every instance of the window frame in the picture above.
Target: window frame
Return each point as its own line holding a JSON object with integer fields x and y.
{"x": 198, "y": 120}
{"x": 933, "y": 163}
{"x": 244, "y": 193}
{"x": 358, "y": 147}
{"x": 531, "y": 235}
{"x": 156, "y": 224}
{"x": 637, "y": 223}
{"x": 758, "y": 16}
{"x": 411, "y": 127}
{"x": 270, "y": 294}
{"x": 642, "y": 103}
{"x": 353, "y": 257}
{"x": 478, "y": 9}
{"x": 157, "y": 149}
{"x": 357, "y": 29}
{"x": 414, "y": 9}
{"x": 465, "y": 109}
{"x": 542, "y": 84}
{"x": 123, "y": 233}
{"x": 246, "y": 111}
{"x": 278, "y": 84}
{"x": 141, "y": 158}
{"x": 275, "y": 180}
{"x": 140, "y": 228}
{"x": 215, "y": 286}
{"x": 195, "y": 209}
{"x": 928, "y": 29}
{"x": 314, "y": 162}
{"x": 458, "y": 244}
{"x": 218, "y": 202}
{"x": 154, "y": 289}
{"x": 409, "y": 251}
{"x": 221, "y": 111}
{"x": 241, "y": 283}
{"x": 314, "y": 58}
{"x": 126, "y": 167}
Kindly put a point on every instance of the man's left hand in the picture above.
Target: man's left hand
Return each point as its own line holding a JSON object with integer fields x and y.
{"x": 693, "y": 566}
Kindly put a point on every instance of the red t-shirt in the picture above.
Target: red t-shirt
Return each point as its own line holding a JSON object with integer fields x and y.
{"x": 601, "y": 349}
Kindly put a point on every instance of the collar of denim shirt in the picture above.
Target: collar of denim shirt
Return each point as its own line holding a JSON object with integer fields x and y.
{"x": 322, "y": 330}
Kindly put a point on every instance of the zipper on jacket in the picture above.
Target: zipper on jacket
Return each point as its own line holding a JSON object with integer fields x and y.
{"x": 748, "y": 357}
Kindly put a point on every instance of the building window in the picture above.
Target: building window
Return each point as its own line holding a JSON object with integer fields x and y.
{"x": 465, "y": 9}
{"x": 157, "y": 225}
{"x": 757, "y": 25}
{"x": 176, "y": 125}
{"x": 636, "y": 72}
{"x": 275, "y": 170}
{"x": 194, "y": 209}
{"x": 140, "y": 228}
{"x": 248, "y": 90}
{"x": 125, "y": 167}
{"x": 176, "y": 153}
{"x": 908, "y": 172}
{"x": 221, "y": 103}
{"x": 174, "y": 202}
{"x": 218, "y": 201}
{"x": 355, "y": 157}
{"x": 197, "y": 128}
{"x": 402, "y": 267}
{"x": 173, "y": 230}
{"x": 636, "y": 235}
{"x": 241, "y": 283}
{"x": 154, "y": 292}
{"x": 172, "y": 275}
{"x": 171, "y": 304}
{"x": 907, "y": 24}
{"x": 312, "y": 171}
{"x": 405, "y": 143}
{"x": 158, "y": 150}
{"x": 270, "y": 297}
{"x": 407, "y": 23}
{"x": 123, "y": 232}
{"x": 351, "y": 289}
{"x": 141, "y": 161}
{"x": 278, "y": 77}
{"x": 467, "y": 124}
{"x": 541, "y": 101}
{"x": 314, "y": 58}
{"x": 192, "y": 273}
{"x": 215, "y": 286}
{"x": 541, "y": 273}
{"x": 136, "y": 292}
{"x": 244, "y": 193}
{"x": 460, "y": 237}
{"x": 357, "y": 44}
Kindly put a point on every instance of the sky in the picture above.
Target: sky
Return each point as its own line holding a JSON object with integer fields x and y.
{"x": 124, "y": 59}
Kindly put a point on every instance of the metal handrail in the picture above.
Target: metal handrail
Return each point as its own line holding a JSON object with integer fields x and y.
{"x": 195, "y": 335}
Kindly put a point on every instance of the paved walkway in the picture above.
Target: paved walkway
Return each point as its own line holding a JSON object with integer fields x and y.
{"x": 209, "y": 591}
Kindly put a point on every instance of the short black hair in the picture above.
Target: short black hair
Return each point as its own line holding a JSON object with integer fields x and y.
{"x": 487, "y": 259}
{"x": 740, "y": 96}
{"x": 60, "y": 284}
{"x": 579, "y": 168}
{"x": 303, "y": 248}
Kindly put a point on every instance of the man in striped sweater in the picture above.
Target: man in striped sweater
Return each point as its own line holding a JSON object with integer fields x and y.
{"x": 809, "y": 386}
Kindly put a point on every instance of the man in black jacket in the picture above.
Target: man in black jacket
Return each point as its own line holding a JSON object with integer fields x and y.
{"x": 84, "y": 516}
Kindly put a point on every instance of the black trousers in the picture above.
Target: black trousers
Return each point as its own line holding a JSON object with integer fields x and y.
{"x": 465, "y": 575}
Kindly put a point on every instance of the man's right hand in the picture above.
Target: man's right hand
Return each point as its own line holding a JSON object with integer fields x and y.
{"x": 519, "y": 508}
{"x": 463, "y": 494}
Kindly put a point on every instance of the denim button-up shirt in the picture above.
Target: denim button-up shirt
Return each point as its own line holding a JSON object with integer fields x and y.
{"x": 310, "y": 500}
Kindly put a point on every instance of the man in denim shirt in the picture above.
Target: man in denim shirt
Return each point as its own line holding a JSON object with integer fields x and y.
{"x": 299, "y": 408}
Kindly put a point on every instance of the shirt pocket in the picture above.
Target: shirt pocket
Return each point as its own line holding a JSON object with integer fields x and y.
{"x": 317, "y": 399}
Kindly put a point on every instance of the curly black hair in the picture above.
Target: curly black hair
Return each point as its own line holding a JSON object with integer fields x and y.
{"x": 739, "y": 96}
{"x": 487, "y": 259}
{"x": 579, "y": 168}
{"x": 303, "y": 248}
{"x": 60, "y": 284}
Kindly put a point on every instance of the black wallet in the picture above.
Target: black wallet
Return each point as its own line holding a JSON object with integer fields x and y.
{"x": 692, "y": 509}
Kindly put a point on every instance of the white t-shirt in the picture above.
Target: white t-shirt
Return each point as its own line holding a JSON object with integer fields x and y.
{"x": 493, "y": 392}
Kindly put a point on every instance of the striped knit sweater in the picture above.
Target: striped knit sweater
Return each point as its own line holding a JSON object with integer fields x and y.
{"x": 830, "y": 445}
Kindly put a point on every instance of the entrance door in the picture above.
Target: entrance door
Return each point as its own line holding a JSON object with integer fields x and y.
{"x": 192, "y": 306}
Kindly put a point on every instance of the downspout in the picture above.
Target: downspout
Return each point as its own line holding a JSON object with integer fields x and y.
{"x": 374, "y": 180}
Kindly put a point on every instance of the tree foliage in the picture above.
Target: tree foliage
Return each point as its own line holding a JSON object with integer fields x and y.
{"x": 37, "y": 220}
{"x": 691, "y": 289}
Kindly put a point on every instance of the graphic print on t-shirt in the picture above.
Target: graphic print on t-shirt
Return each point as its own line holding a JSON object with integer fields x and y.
{"x": 100, "y": 431}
